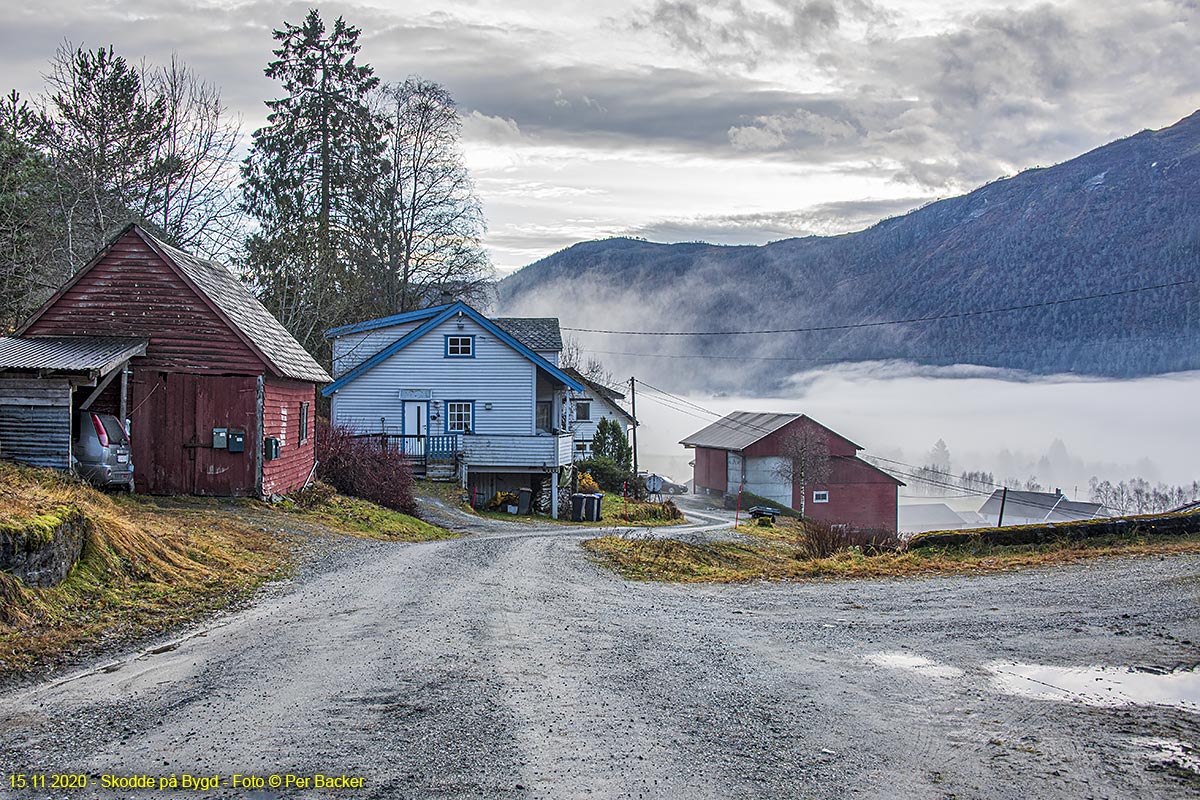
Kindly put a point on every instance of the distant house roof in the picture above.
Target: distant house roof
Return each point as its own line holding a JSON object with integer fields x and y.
{"x": 1186, "y": 508}
{"x": 538, "y": 333}
{"x": 432, "y": 318}
{"x": 246, "y": 313}
{"x": 739, "y": 430}
{"x": 1048, "y": 506}
{"x": 69, "y": 353}
{"x": 610, "y": 396}
{"x": 929, "y": 516}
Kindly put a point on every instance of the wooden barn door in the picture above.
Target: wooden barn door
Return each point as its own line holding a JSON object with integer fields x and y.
{"x": 162, "y": 421}
{"x": 225, "y": 402}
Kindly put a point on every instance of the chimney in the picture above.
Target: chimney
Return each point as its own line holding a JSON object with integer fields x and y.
{"x": 1057, "y": 492}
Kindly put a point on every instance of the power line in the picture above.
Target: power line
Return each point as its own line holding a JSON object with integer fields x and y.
{"x": 911, "y": 320}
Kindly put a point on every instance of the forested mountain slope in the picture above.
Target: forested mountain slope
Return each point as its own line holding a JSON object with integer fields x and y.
{"x": 1122, "y": 216}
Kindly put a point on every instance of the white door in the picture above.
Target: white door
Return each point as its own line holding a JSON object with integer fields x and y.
{"x": 416, "y": 426}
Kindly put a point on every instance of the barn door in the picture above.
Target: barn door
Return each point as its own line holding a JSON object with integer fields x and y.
{"x": 162, "y": 421}
{"x": 224, "y": 402}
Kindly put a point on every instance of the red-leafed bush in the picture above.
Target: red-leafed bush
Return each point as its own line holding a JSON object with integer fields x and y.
{"x": 367, "y": 467}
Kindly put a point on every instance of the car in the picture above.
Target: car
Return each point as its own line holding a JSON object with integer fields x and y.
{"x": 671, "y": 487}
{"x": 102, "y": 451}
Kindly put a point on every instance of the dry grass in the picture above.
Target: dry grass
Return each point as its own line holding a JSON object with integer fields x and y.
{"x": 365, "y": 519}
{"x": 773, "y": 554}
{"x": 142, "y": 569}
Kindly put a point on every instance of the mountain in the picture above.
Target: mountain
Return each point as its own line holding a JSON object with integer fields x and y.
{"x": 1123, "y": 216}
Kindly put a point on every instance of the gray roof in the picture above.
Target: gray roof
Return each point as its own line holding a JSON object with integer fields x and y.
{"x": 537, "y": 333}
{"x": 1040, "y": 505}
{"x": 928, "y": 515}
{"x": 252, "y": 319}
{"x": 739, "y": 430}
{"x": 68, "y": 353}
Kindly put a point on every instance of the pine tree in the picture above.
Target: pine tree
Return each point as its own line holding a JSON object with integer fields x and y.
{"x": 308, "y": 174}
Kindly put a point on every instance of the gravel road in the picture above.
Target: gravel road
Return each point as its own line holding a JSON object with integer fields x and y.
{"x": 507, "y": 664}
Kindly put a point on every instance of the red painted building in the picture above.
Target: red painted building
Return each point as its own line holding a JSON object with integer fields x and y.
{"x": 222, "y": 401}
{"x": 750, "y": 450}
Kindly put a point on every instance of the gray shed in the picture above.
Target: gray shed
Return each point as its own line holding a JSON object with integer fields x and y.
{"x": 38, "y": 383}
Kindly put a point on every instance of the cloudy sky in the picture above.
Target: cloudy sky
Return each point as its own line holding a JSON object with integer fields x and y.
{"x": 733, "y": 121}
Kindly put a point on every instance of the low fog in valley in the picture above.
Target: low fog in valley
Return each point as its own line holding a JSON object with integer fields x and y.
{"x": 1060, "y": 430}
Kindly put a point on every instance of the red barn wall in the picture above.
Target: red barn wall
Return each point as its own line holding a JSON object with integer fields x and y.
{"x": 711, "y": 470}
{"x": 296, "y": 458}
{"x": 859, "y": 496}
{"x": 131, "y": 291}
{"x": 773, "y": 443}
{"x": 171, "y": 420}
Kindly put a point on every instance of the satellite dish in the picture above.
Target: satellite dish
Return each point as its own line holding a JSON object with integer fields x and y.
{"x": 654, "y": 483}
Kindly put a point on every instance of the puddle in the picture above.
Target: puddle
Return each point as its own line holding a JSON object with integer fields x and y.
{"x": 911, "y": 662}
{"x": 1101, "y": 686}
{"x": 1181, "y": 757}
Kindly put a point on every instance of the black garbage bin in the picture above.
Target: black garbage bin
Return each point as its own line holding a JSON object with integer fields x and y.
{"x": 577, "y": 503}
{"x": 591, "y": 507}
{"x": 524, "y": 500}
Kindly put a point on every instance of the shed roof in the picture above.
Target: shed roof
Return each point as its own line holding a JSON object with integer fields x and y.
{"x": 68, "y": 353}
{"x": 604, "y": 393}
{"x": 739, "y": 430}
{"x": 245, "y": 312}
{"x": 1044, "y": 505}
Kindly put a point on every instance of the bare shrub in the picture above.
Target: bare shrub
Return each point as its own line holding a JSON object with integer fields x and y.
{"x": 819, "y": 539}
{"x": 365, "y": 467}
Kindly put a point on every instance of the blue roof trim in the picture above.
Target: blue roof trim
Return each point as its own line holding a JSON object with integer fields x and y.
{"x": 446, "y": 312}
{"x": 384, "y": 322}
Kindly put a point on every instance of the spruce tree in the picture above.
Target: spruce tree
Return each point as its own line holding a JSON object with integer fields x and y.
{"x": 307, "y": 176}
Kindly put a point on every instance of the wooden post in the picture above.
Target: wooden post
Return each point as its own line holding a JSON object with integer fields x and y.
{"x": 633, "y": 413}
{"x": 1003, "y": 497}
{"x": 554, "y": 494}
{"x": 738, "y": 514}
{"x": 125, "y": 395}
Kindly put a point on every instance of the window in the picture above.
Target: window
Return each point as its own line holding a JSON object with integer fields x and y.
{"x": 460, "y": 347}
{"x": 583, "y": 412}
{"x": 459, "y": 414}
{"x": 282, "y": 426}
{"x": 820, "y": 497}
{"x": 542, "y": 411}
{"x": 304, "y": 422}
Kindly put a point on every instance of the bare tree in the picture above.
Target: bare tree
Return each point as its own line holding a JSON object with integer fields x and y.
{"x": 806, "y": 460}
{"x": 590, "y": 367}
{"x": 426, "y": 223}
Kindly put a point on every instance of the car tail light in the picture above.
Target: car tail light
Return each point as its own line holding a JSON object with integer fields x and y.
{"x": 101, "y": 434}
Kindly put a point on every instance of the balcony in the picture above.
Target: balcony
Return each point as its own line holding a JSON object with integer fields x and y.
{"x": 540, "y": 450}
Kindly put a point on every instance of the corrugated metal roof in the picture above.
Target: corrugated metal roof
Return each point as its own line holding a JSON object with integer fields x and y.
{"x": 739, "y": 430}
{"x": 71, "y": 353}
{"x": 536, "y": 333}
{"x": 245, "y": 311}
{"x": 1045, "y": 505}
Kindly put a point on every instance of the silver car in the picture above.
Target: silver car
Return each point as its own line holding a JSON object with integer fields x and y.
{"x": 102, "y": 451}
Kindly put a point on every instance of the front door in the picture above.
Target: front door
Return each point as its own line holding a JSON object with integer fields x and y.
{"x": 416, "y": 426}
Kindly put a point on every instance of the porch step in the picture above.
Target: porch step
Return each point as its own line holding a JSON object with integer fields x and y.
{"x": 441, "y": 472}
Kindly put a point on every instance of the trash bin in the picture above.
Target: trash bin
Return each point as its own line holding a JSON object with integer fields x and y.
{"x": 524, "y": 500}
{"x": 591, "y": 507}
{"x": 577, "y": 503}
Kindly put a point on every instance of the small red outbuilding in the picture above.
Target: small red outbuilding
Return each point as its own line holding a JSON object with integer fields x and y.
{"x": 222, "y": 401}
{"x": 747, "y": 450}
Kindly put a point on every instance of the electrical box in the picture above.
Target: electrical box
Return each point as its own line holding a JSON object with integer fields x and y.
{"x": 236, "y": 441}
{"x": 220, "y": 438}
{"x": 270, "y": 448}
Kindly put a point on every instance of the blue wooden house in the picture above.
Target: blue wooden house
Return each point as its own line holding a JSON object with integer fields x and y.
{"x": 477, "y": 399}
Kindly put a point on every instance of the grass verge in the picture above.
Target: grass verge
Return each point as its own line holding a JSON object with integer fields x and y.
{"x": 612, "y": 515}
{"x": 362, "y": 518}
{"x": 774, "y": 557}
{"x": 142, "y": 569}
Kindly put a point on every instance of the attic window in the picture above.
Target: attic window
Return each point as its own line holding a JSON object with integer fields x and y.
{"x": 583, "y": 412}
{"x": 460, "y": 347}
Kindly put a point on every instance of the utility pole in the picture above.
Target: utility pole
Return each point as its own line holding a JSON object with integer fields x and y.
{"x": 1003, "y": 497}
{"x": 633, "y": 413}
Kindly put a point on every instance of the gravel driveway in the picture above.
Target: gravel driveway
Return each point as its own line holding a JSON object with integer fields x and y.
{"x": 506, "y": 664}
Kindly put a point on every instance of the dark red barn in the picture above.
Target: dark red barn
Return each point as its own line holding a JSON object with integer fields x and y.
{"x": 222, "y": 401}
{"x": 749, "y": 450}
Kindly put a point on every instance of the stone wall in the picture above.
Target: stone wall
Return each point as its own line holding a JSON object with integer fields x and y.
{"x": 42, "y": 550}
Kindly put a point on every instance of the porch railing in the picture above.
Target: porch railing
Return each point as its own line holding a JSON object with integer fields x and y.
{"x": 420, "y": 449}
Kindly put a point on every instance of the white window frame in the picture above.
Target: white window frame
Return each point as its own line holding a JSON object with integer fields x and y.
{"x": 583, "y": 404}
{"x": 455, "y": 422}
{"x": 821, "y": 496}
{"x": 464, "y": 344}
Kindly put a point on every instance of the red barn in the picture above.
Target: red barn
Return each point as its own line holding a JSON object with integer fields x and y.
{"x": 750, "y": 451}
{"x": 221, "y": 403}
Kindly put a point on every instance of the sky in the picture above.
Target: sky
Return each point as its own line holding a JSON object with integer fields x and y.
{"x": 729, "y": 121}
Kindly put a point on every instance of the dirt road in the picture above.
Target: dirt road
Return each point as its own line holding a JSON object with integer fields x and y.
{"x": 506, "y": 664}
